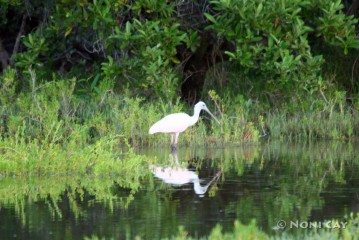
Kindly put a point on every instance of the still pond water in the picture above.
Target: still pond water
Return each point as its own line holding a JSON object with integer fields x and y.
{"x": 196, "y": 188}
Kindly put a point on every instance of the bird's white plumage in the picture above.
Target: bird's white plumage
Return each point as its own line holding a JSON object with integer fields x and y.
{"x": 173, "y": 123}
{"x": 178, "y": 122}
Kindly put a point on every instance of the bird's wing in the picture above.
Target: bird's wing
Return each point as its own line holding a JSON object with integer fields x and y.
{"x": 173, "y": 123}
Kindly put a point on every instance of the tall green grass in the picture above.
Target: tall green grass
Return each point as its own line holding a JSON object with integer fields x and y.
{"x": 55, "y": 130}
{"x": 304, "y": 126}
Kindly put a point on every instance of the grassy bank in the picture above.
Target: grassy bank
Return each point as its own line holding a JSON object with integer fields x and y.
{"x": 55, "y": 129}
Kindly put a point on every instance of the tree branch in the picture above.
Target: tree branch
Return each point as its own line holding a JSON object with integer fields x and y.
{"x": 353, "y": 9}
{"x": 17, "y": 42}
{"x": 4, "y": 56}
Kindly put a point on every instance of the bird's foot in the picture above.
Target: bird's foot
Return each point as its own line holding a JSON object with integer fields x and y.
{"x": 174, "y": 147}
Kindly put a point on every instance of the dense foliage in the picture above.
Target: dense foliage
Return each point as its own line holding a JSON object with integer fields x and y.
{"x": 272, "y": 37}
{"x": 81, "y": 82}
{"x": 155, "y": 48}
{"x": 105, "y": 64}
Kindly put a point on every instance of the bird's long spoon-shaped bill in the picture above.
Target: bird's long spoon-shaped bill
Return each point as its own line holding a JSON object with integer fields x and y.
{"x": 207, "y": 110}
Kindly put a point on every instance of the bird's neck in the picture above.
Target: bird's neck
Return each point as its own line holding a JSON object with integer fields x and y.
{"x": 195, "y": 117}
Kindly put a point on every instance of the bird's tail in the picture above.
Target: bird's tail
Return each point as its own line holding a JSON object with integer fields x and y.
{"x": 152, "y": 130}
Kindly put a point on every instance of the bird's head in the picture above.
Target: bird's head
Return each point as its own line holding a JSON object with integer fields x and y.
{"x": 202, "y": 106}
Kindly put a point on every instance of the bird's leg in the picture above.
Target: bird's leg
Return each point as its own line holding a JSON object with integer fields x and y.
{"x": 173, "y": 148}
{"x": 174, "y": 138}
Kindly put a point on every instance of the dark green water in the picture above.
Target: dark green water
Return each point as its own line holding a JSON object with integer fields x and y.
{"x": 269, "y": 182}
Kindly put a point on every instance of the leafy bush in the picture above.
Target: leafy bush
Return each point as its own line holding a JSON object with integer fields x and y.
{"x": 272, "y": 38}
{"x": 146, "y": 45}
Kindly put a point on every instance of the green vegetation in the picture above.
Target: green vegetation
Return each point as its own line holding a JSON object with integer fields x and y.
{"x": 112, "y": 68}
{"x": 82, "y": 81}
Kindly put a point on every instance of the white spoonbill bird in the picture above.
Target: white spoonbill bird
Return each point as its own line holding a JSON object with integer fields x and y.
{"x": 178, "y": 122}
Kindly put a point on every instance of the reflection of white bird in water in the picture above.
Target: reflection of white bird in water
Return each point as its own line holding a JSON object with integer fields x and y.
{"x": 178, "y": 122}
{"x": 178, "y": 176}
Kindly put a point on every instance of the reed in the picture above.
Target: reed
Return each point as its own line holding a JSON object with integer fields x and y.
{"x": 42, "y": 128}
